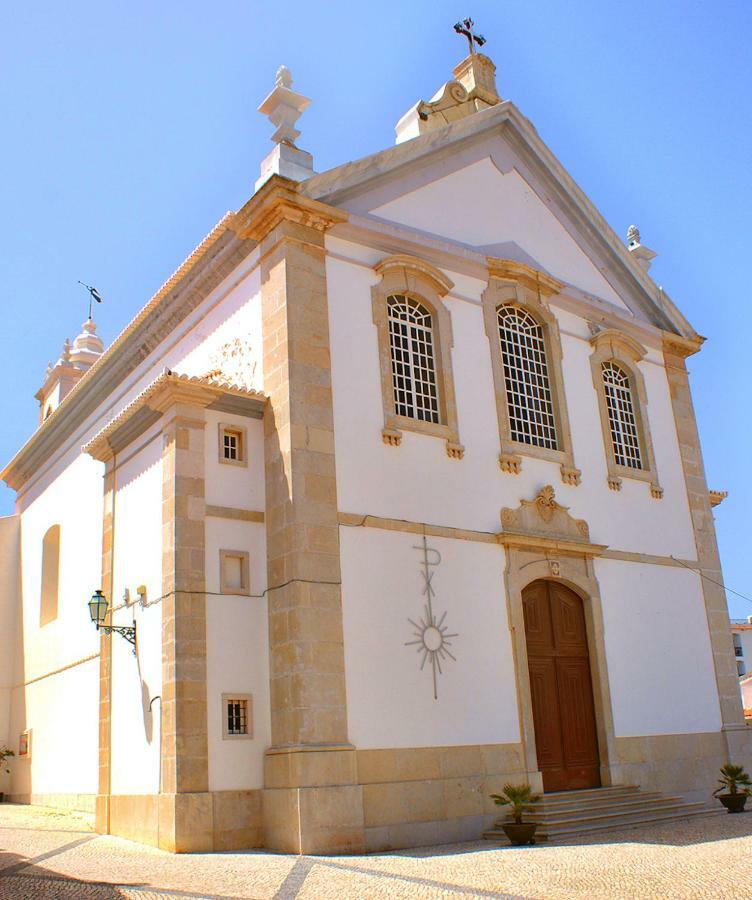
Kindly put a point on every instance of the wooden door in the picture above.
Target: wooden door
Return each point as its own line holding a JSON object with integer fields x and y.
{"x": 562, "y": 694}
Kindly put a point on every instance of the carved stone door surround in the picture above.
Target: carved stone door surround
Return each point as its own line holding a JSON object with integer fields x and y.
{"x": 543, "y": 541}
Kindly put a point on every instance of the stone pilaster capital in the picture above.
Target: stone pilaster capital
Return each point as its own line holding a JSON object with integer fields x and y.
{"x": 280, "y": 200}
{"x": 678, "y": 346}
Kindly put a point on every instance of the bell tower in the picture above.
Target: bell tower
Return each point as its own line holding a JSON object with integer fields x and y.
{"x": 75, "y": 360}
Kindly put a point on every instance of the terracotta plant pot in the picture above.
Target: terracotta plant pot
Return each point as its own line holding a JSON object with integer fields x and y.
{"x": 734, "y": 803}
{"x": 520, "y": 834}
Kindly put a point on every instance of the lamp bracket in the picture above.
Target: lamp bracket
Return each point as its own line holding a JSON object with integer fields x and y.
{"x": 126, "y": 631}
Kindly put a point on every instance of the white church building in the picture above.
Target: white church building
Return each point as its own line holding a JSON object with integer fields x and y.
{"x": 391, "y": 497}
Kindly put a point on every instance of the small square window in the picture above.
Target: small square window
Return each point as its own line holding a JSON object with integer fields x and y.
{"x": 237, "y": 716}
{"x": 234, "y": 572}
{"x": 232, "y": 445}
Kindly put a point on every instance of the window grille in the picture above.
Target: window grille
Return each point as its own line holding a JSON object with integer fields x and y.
{"x": 528, "y": 387}
{"x": 237, "y": 716}
{"x": 231, "y": 445}
{"x": 411, "y": 345}
{"x": 622, "y": 418}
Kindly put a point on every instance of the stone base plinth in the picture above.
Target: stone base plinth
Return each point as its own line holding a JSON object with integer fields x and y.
{"x": 189, "y": 823}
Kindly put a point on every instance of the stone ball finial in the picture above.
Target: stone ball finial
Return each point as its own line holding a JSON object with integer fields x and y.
{"x": 283, "y": 77}
{"x": 633, "y": 235}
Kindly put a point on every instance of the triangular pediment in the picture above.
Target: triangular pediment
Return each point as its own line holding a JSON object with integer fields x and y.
{"x": 499, "y": 214}
{"x": 488, "y": 182}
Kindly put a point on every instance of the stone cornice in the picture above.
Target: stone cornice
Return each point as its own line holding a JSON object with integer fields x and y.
{"x": 280, "y": 200}
{"x": 209, "y": 264}
{"x": 563, "y": 546}
{"x": 521, "y": 273}
{"x": 164, "y": 392}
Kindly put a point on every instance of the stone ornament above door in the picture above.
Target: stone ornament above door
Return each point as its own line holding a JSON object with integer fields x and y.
{"x": 545, "y": 523}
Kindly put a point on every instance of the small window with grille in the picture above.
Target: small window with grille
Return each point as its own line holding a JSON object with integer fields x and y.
{"x": 528, "y": 386}
{"x": 237, "y": 716}
{"x": 411, "y": 347}
{"x": 622, "y": 417}
{"x": 232, "y": 445}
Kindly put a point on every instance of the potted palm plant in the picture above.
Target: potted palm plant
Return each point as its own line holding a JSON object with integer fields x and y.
{"x": 5, "y": 754}
{"x": 520, "y": 798}
{"x": 734, "y": 787}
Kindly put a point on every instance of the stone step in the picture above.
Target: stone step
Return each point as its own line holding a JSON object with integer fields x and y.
{"x": 595, "y": 802}
{"x": 600, "y": 791}
{"x": 588, "y": 828}
{"x": 617, "y": 815}
{"x": 544, "y": 813}
{"x": 566, "y": 814}
{"x": 632, "y": 822}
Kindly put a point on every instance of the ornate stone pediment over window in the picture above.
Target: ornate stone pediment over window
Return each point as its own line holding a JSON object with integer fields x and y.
{"x": 545, "y": 523}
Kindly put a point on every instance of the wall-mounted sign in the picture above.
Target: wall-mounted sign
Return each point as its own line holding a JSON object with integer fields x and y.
{"x": 24, "y": 743}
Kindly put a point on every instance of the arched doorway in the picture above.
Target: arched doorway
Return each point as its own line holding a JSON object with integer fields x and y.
{"x": 561, "y": 688}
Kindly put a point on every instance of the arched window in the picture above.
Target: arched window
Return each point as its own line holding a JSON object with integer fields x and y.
{"x": 526, "y": 378}
{"x": 411, "y": 346}
{"x": 526, "y": 355}
{"x": 414, "y": 333}
{"x": 50, "y": 575}
{"x": 622, "y": 417}
{"x": 623, "y": 406}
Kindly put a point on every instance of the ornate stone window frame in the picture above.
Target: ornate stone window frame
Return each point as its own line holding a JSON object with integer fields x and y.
{"x": 520, "y": 285}
{"x": 423, "y": 282}
{"x": 611, "y": 345}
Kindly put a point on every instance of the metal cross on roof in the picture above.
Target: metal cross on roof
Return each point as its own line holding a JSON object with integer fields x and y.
{"x": 466, "y": 27}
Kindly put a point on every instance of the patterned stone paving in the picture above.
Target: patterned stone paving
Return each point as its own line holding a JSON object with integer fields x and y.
{"x": 47, "y": 854}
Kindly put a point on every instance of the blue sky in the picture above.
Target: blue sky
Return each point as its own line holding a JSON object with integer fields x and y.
{"x": 127, "y": 130}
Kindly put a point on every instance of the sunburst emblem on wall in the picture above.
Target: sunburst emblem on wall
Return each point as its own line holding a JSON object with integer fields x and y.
{"x": 432, "y": 636}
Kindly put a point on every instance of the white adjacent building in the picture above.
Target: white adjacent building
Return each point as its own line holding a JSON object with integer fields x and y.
{"x": 398, "y": 480}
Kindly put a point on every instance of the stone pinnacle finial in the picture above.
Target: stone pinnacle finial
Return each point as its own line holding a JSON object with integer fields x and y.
{"x": 65, "y": 356}
{"x": 283, "y": 107}
{"x": 642, "y": 254}
{"x": 283, "y": 77}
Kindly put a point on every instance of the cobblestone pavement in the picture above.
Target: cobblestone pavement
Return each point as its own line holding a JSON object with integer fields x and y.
{"x": 49, "y": 854}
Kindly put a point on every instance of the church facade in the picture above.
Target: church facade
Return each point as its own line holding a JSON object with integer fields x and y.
{"x": 393, "y": 497}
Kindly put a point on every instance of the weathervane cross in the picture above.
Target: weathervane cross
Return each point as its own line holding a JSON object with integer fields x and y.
{"x": 465, "y": 27}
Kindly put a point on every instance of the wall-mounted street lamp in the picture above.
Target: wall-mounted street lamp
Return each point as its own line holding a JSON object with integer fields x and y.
{"x": 98, "y": 610}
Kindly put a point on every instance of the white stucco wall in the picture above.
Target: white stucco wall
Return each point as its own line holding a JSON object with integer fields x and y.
{"x": 234, "y": 486}
{"x": 504, "y": 208}
{"x": 9, "y": 559}
{"x": 137, "y": 561}
{"x": 60, "y": 707}
{"x": 417, "y": 481}
{"x": 237, "y": 626}
{"x": 390, "y": 701}
{"x": 68, "y": 490}
{"x": 660, "y": 665}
